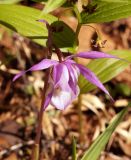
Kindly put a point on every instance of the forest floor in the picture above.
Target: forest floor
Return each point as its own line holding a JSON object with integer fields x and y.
{"x": 20, "y": 101}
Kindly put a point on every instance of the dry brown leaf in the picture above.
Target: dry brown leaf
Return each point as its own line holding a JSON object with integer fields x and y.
{"x": 47, "y": 127}
{"x": 94, "y": 100}
{"x": 121, "y": 103}
{"x": 88, "y": 105}
{"x": 125, "y": 134}
{"x": 125, "y": 147}
{"x": 97, "y": 133}
{"x": 60, "y": 130}
{"x": 111, "y": 156}
{"x": 3, "y": 142}
{"x": 11, "y": 157}
{"x": 5, "y": 116}
{"x": 93, "y": 103}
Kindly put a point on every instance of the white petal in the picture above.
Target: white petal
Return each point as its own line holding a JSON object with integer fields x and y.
{"x": 62, "y": 98}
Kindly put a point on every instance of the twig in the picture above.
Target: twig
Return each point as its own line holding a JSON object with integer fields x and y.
{"x": 15, "y": 147}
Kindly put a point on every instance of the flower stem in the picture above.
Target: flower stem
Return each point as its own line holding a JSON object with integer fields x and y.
{"x": 36, "y": 148}
{"x": 59, "y": 53}
{"x": 75, "y": 46}
{"x": 78, "y": 26}
{"x": 80, "y": 118}
{"x": 77, "y": 14}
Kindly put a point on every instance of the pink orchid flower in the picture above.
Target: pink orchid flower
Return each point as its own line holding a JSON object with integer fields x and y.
{"x": 63, "y": 80}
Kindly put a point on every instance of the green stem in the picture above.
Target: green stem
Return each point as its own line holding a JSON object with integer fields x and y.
{"x": 75, "y": 48}
{"x": 78, "y": 27}
{"x": 74, "y": 154}
{"x": 80, "y": 118}
{"x": 77, "y": 14}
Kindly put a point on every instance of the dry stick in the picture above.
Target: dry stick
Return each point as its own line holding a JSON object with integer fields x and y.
{"x": 15, "y": 147}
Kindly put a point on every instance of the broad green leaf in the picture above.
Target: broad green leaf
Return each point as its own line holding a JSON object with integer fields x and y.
{"x": 106, "y": 69}
{"x": 99, "y": 144}
{"x": 64, "y": 36}
{"x": 22, "y": 19}
{"x": 106, "y": 11}
{"x": 40, "y": 0}
{"x": 74, "y": 157}
{"x": 9, "y": 1}
{"x": 122, "y": 1}
{"x": 52, "y": 5}
{"x": 123, "y": 89}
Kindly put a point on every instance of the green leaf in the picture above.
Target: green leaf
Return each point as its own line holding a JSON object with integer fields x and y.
{"x": 64, "y": 36}
{"x": 74, "y": 149}
{"x": 107, "y": 10}
{"x": 52, "y": 5}
{"x": 99, "y": 144}
{"x": 9, "y": 1}
{"x": 22, "y": 19}
{"x": 106, "y": 69}
{"x": 123, "y": 89}
{"x": 39, "y": 0}
{"x": 111, "y": 1}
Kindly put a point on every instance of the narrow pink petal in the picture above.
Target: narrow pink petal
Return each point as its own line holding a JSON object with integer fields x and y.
{"x": 93, "y": 55}
{"x": 91, "y": 77}
{"x": 44, "y": 64}
{"x": 49, "y": 94}
{"x": 73, "y": 76}
{"x": 19, "y": 75}
{"x": 47, "y": 100}
{"x": 57, "y": 72}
